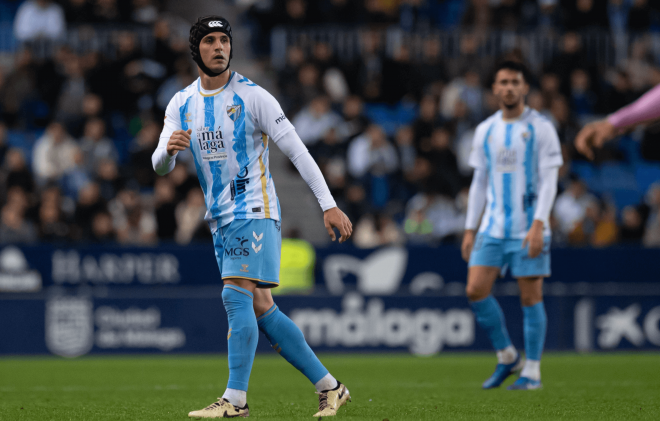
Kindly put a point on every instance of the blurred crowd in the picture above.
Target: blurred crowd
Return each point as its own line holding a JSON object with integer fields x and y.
{"x": 391, "y": 130}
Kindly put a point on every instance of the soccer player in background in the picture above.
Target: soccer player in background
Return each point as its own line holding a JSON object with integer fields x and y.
{"x": 229, "y": 122}
{"x": 516, "y": 157}
{"x": 594, "y": 135}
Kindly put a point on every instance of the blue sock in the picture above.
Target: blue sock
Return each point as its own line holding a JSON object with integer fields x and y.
{"x": 287, "y": 339}
{"x": 534, "y": 322}
{"x": 490, "y": 318}
{"x": 242, "y": 337}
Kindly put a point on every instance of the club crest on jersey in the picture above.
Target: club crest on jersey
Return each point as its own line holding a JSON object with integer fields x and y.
{"x": 525, "y": 136}
{"x": 234, "y": 111}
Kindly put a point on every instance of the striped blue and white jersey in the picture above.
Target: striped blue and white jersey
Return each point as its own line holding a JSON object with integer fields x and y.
{"x": 513, "y": 151}
{"x": 231, "y": 129}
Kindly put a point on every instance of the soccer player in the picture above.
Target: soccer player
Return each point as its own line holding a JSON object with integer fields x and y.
{"x": 229, "y": 123}
{"x": 516, "y": 157}
{"x": 645, "y": 109}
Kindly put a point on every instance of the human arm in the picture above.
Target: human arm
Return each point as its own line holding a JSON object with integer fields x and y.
{"x": 646, "y": 108}
{"x": 549, "y": 161}
{"x": 478, "y": 190}
{"x": 547, "y": 192}
{"x": 172, "y": 140}
{"x": 294, "y": 148}
{"x": 476, "y": 204}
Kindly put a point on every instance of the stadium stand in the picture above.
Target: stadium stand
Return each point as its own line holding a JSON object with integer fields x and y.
{"x": 385, "y": 94}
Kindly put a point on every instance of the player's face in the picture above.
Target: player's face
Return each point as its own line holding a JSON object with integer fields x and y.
{"x": 214, "y": 50}
{"x": 510, "y": 87}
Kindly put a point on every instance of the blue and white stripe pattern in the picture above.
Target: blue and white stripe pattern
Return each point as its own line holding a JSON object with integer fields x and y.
{"x": 231, "y": 129}
{"x": 512, "y": 152}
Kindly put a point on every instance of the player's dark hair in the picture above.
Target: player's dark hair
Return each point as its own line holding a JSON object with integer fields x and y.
{"x": 204, "y": 26}
{"x": 516, "y": 67}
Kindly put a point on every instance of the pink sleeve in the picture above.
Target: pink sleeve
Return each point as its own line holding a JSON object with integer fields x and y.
{"x": 644, "y": 109}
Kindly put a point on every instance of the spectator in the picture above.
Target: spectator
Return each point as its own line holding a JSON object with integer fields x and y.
{"x": 190, "y": 216}
{"x": 632, "y": 226}
{"x": 139, "y": 229}
{"x": 354, "y": 122}
{"x": 69, "y": 104}
{"x": 425, "y": 123}
{"x": 18, "y": 174}
{"x": 13, "y": 226}
{"x": 377, "y": 231}
{"x": 313, "y": 122}
{"x": 639, "y": 16}
{"x": 95, "y": 145}
{"x": 109, "y": 179}
{"x": 78, "y": 12}
{"x": 19, "y": 87}
{"x": 144, "y": 145}
{"x": 102, "y": 229}
{"x": 371, "y": 153}
{"x": 571, "y": 206}
{"x": 39, "y": 19}
{"x": 54, "y": 153}
{"x": 89, "y": 204}
{"x": 652, "y": 231}
{"x": 165, "y": 209}
{"x": 433, "y": 219}
{"x": 52, "y": 226}
{"x": 443, "y": 161}
{"x": 583, "y": 99}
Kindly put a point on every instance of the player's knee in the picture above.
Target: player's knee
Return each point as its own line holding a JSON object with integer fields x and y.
{"x": 263, "y": 302}
{"x": 530, "y": 300}
{"x": 475, "y": 293}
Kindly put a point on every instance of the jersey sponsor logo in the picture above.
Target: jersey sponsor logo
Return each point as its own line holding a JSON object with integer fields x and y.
{"x": 215, "y": 24}
{"x": 506, "y": 160}
{"x": 238, "y": 186}
{"x": 280, "y": 119}
{"x": 529, "y": 200}
{"x": 211, "y": 144}
{"x": 238, "y": 249}
{"x": 234, "y": 112}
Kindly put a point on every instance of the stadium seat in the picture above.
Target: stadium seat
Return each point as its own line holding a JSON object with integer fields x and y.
{"x": 623, "y": 198}
{"x": 588, "y": 173}
{"x": 617, "y": 177}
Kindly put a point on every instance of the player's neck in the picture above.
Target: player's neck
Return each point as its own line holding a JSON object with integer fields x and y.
{"x": 214, "y": 83}
{"x": 513, "y": 113}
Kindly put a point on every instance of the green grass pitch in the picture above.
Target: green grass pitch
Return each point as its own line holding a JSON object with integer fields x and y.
{"x": 383, "y": 386}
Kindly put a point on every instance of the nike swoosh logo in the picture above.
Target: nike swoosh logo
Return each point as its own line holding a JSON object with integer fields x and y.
{"x": 341, "y": 395}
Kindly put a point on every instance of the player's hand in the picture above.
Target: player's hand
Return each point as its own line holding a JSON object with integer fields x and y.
{"x": 534, "y": 238}
{"x": 179, "y": 141}
{"x": 335, "y": 218}
{"x": 594, "y": 135}
{"x": 468, "y": 244}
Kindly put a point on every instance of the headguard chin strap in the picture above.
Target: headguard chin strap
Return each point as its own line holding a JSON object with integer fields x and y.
{"x": 204, "y": 26}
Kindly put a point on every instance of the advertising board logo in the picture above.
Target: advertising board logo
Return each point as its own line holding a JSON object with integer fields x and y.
{"x": 69, "y": 326}
{"x": 15, "y": 273}
{"x": 616, "y": 326}
{"x": 70, "y": 267}
{"x": 424, "y": 331}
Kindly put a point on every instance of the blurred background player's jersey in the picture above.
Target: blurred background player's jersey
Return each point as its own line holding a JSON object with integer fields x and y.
{"x": 231, "y": 128}
{"x": 512, "y": 151}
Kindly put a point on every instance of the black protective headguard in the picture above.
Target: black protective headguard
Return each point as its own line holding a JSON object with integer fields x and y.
{"x": 204, "y": 26}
